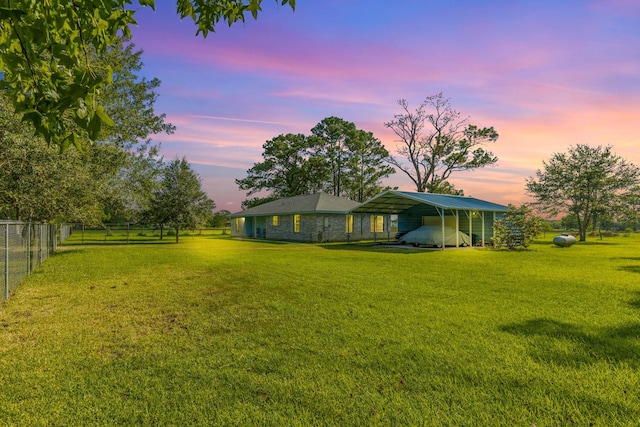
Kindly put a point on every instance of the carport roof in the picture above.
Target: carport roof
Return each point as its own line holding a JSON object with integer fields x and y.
{"x": 394, "y": 201}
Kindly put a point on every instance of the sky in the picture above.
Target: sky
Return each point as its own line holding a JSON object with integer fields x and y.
{"x": 547, "y": 75}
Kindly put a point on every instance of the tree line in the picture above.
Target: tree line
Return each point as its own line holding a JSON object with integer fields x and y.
{"x": 68, "y": 78}
{"x": 118, "y": 177}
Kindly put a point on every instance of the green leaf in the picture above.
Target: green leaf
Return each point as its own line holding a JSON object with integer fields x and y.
{"x": 104, "y": 117}
{"x": 150, "y": 3}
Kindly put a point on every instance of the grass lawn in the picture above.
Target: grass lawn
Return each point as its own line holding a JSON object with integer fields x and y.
{"x": 215, "y": 331}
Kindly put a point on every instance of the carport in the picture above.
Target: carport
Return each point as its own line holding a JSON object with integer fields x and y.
{"x": 472, "y": 216}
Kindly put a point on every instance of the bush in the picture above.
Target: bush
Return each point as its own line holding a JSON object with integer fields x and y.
{"x": 519, "y": 228}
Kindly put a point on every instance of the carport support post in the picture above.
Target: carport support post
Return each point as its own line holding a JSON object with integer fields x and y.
{"x": 388, "y": 227}
{"x": 482, "y": 213}
{"x": 470, "y": 215}
{"x": 441, "y": 213}
{"x": 457, "y": 228}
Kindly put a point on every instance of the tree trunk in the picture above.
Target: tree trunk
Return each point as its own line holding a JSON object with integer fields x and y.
{"x": 177, "y": 232}
{"x": 583, "y": 234}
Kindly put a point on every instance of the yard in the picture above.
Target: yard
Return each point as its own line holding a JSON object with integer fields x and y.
{"x": 215, "y": 331}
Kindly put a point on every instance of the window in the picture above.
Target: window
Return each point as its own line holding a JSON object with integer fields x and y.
{"x": 274, "y": 220}
{"x": 376, "y": 223}
{"x": 349, "y": 224}
{"x": 237, "y": 224}
{"x": 296, "y": 223}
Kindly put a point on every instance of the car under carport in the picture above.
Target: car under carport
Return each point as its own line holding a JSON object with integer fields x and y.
{"x": 471, "y": 216}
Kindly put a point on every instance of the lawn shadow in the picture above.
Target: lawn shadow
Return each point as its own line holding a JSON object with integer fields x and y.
{"x": 63, "y": 251}
{"x": 632, "y": 268}
{"x": 562, "y": 343}
{"x": 378, "y": 247}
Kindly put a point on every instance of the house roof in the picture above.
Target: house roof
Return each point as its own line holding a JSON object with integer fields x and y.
{"x": 394, "y": 201}
{"x": 305, "y": 204}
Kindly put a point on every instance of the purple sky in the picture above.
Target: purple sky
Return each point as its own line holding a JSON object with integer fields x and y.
{"x": 545, "y": 74}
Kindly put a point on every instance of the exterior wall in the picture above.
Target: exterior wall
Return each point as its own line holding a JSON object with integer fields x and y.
{"x": 314, "y": 228}
{"x": 237, "y": 227}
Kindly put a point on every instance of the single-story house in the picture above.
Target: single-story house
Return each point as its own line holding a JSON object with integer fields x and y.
{"x": 313, "y": 218}
{"x": 412, "y": 210}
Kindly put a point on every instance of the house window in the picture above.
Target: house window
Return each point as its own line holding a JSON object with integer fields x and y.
{"x": 296, "y": 223}
{"x": 349, "y": 224}
{"x": 274, "y": 220}
{"x": 237, "y": 224}
{"x": 376, "y": 223}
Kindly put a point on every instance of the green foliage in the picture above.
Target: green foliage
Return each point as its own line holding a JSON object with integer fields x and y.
{"x": 220, "y": 219}
{"x": 255, "y": 201}
{"x": 336, "y": 158}
{"x": 37, "y": 182}
{"x": 449, "y": 144}
{"x": 111, "y": 179}
{"x": 287, "y": 169}
{"x": 179, "y": 202}
{"x": 45, "y": 49}
{"x": 354, "y": 160}
{"x": 518, "y": 228}
{"x": 586, "y": 182}
{"x": 217, "y": 331}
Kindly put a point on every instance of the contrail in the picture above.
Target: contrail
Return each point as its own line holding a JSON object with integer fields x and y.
{"x": 242, "y": 120}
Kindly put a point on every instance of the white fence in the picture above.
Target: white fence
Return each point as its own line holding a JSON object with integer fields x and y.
{"x": 23, "y": 247}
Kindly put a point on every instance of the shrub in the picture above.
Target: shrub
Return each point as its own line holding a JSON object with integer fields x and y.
{"x": 519, "y": 227}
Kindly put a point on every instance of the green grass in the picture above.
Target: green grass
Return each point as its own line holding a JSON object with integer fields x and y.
{"x": 215, "y": 331}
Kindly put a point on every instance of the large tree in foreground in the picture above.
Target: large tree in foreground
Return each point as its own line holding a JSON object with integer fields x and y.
{"x": 44, "y": 45}
{"x": 435, "y": 142}
{"x": 584, "y": 182}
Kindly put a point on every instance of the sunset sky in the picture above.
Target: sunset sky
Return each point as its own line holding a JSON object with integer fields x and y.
{"x": 545, "y": 74}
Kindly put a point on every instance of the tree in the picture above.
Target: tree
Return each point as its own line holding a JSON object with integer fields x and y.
{"x": 256, "y": 201}
{"x": 220, "y": 219}
{"x": 37, "y": 183}
{"x": 336, "y": 158}
{"x": 435, "y": 144}
{"x": 44, "y": 46}
{"x": 287, "y": 169}
{"x": 354, "y": 159}
{"x": 519, "y": 227}
{"x": 630, "y": 216}
{"x": 329, "y": 142}
{"x": 583, "y": 182}
{"x": 569, "y": 222}
{"x": 366, "y": 166}
{"x": 108, "y": 180}
{"x": 179, "y": 202}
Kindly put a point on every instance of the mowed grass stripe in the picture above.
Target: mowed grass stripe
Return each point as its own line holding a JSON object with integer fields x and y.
{"x": 225, "y": 332}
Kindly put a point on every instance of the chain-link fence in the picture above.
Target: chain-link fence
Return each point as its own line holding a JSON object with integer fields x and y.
{"x": 23, "y": 247}
{"x": 125, "y": 233}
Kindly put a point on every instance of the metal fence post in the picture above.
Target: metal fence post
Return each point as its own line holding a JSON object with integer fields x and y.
{"x": 6, "y": 261}
{"x": 29, "y": 247}
{"x": 40, "y": 246}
